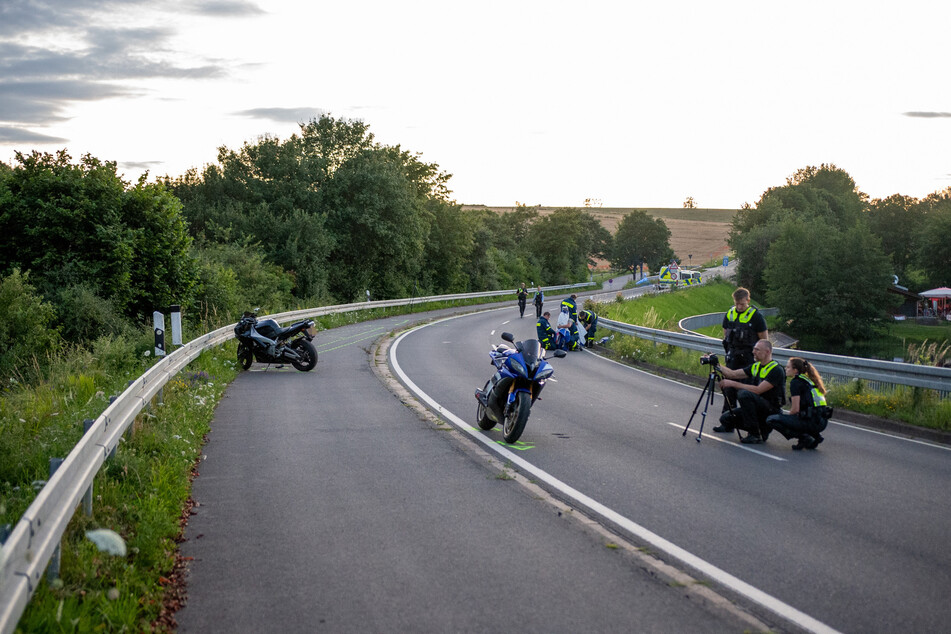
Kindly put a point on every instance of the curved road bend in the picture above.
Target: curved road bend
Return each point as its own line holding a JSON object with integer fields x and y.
{"x": 325, "y": 504}
{"x": 853, "y": 535}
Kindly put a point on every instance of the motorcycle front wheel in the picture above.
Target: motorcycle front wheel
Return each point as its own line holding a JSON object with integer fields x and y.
{"x": 481, "y": 417}
{"x": 245, "y": 358}
{"x": 515, "y": 422}
{"x": 307, "y": 354}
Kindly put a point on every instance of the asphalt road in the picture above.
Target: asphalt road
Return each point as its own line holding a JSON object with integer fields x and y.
{"x": 326, "y": 504}
{"x": 853, "y": 536}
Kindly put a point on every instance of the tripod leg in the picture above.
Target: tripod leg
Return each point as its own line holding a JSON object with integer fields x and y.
{"x": 703, "y": 418}
{"x": 697, "y": 406}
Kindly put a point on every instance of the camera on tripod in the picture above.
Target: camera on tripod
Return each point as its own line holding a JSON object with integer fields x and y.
{"x": 711, "y": 359}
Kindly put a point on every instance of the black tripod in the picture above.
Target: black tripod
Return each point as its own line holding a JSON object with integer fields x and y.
{"x": 706, "y": 397}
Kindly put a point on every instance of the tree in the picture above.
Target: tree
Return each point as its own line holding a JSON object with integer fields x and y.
{"x": 896, "y": 221}
{"x": 63, "y": 223}
{"x": 564, "y": 244}
{"x": 934, "y": 239}
{"x": 640, "y": 238}
{"x": 163, "y": 270}
{"x": 690, "y": 203}
{"x": 79, "y": 226}
{"x": 318, "y": 202}
{"x": 808, "y": 249}
{"x": 825, "y": 192}
{"x": 380, "y": 228}
{"x": 828, "y": 283}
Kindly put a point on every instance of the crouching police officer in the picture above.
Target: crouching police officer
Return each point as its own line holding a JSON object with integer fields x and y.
{"x": 743, "y": 326}
{"x": 545, "y": 333}
{"x": 808, "y": 412}
{"x": 758, "y": 399}
{"x": 589, "y": 320}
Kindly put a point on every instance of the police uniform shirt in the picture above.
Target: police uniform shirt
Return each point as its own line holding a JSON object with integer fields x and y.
{"x": 543, "y": 329}
{"x": 798, "y": 387}
{"x": 776, "y": 376}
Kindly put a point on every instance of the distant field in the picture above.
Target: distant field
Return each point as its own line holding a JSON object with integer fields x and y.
{"x": 698, "y": 232}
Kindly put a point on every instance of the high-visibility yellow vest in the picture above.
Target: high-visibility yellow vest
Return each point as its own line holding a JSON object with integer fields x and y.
{"x": 818, "y": 398}
{"x": 745, "y": 317}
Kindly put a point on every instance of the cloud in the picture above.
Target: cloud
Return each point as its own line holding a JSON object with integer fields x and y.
{"x": 13, "y": 134}
{"x": 282, "y": 115}
{"x": 140, "y": 165}
{"x": 223, "y": 8}
{"x": 39, "y": 102}
{"x": 23, "y": 16}
{"x": 928, "y": 115}
{"x": 90, "y": 62}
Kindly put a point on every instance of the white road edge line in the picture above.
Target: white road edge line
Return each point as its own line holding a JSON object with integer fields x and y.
{"x": 732, "y": 444}
{"x": 769, "y": 602}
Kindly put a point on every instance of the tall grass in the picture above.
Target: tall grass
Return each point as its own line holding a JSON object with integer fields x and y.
{"x": 139, "y": 494}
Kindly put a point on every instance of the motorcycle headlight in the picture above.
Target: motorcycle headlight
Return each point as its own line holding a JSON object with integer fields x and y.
{"x": 518, "y": 368}
{"x": 544, "y": 373}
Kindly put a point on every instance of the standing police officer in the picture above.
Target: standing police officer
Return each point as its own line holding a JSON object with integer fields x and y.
{"x": 522, "y": 296}
{"x": 743, "y": 326}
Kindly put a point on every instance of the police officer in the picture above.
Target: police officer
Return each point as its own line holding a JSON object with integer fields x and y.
{"x": 808, "y": 413}
{"x": 545, "y": 333}
{"x": 743, "y": 326}
{"x": 589, "y": 320}
{"x": 522, "y": 296}
{"x": 538, "y": 300}
{"x": 572, "y": 306}
{"x": 758, "y": 399}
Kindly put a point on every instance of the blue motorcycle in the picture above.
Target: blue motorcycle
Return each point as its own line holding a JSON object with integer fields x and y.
{"x": 509, "y": 394}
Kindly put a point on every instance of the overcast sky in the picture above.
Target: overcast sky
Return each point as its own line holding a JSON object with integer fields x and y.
{"x": 628, "y": 103}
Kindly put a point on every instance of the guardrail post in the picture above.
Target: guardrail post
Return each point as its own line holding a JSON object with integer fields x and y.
{"x": 87, "y": 496}
{"x": 52, "y": 569}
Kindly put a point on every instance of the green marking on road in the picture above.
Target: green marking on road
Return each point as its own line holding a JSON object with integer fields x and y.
{"x": 521, "y": 446}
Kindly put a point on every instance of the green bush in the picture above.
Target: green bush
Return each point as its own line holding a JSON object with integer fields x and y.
{"x": 28, "y": 332}
{"x": 84, "y": 316}
{"x": 234, "y": 279}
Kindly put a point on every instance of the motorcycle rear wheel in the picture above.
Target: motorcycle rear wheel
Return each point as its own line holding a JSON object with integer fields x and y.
{"x": 307, "y": 353}
{"x": 481, "y": 417}
{"x": 245, "y": 358}
{"x": 515, "y": 422}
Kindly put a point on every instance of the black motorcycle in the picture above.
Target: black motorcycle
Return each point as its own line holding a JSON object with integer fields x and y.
{"x": 266, "y": 342}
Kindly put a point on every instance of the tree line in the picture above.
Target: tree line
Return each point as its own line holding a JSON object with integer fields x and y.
{"x": 319, "y": 218}
{"x": 819, "y": 250}
{"x": 328, "y": 214}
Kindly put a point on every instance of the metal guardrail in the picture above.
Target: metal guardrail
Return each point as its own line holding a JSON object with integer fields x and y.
{"x": 28, "y": 549}
{"x": 890, "y": 372}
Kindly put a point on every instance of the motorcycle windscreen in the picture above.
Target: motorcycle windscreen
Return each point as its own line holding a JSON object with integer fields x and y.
{"x": 531, "y": 352}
